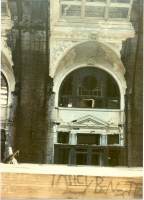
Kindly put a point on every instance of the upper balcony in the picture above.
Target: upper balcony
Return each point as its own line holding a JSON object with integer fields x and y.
{"x": 98, "y": 9}
{"x": 107, "y": 17}
{"x": 92, "y": 10}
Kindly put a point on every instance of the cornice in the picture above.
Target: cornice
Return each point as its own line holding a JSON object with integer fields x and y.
{"x": 107, "y": 31}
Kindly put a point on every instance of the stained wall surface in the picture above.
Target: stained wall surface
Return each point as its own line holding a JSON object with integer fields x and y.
{"x": 34, "y": 69}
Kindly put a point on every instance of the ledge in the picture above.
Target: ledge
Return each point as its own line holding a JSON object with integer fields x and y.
{"x": 88, "y": 109}
{"x": 72, "y": 170}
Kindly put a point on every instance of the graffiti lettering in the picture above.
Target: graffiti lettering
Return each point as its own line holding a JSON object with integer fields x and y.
{"x": 97, "y": 185}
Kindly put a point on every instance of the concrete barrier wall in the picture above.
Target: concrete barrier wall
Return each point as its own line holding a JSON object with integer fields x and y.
{"x": 34, "y": 185}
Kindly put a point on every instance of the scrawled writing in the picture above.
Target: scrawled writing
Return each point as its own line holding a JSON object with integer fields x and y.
{"x": 121, "y": 187}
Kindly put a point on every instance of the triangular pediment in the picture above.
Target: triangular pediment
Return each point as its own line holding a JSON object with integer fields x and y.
{"x": 90, "y": 121}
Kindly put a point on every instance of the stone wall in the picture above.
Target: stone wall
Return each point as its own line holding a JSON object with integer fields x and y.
{"x": 33, "y": 133}
{"x": 132, "y": 56}
{"x": 69, "y": 182}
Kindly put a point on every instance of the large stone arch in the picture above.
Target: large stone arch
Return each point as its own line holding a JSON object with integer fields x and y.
{"x": 6, "y": 69}
{"x": 94, "y": 54}
{"x": 59, "y": 53}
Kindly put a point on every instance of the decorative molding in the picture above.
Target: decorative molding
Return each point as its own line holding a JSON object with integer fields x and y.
{"x": 64, "y": 38}
{"x": 58, "y": 49}
{"x": 97, "y": 31}
{"x": 6, "y": 51}
{"x": 90, "y": 120}
{"x": 90, "y": 124}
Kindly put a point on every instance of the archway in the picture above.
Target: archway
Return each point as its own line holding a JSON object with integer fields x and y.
{"x": 4, "y": 99}
{"x": 89, "y": 87}
{"x": 87, "y": 54}
{"x": 7, "y": 87}
{"x": 4, "y": 112}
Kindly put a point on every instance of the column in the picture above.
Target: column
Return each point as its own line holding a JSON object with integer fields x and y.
{"x": 73, "y": 138}
{"x": 103, "y": 140}
{"x": 102, "y": 158}
{"x": 54, "y": 134}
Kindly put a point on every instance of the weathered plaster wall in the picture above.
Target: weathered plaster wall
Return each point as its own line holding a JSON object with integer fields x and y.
{"x": 78, "y": 44}
{"x": 34, "y": 136}
{"x": 64, "y": 39}
{"x": 91, "y": 53}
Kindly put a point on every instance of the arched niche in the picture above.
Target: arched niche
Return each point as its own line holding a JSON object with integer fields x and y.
{"x": 91, "y": 51}
{"x": 7, "y": 71}
{"x": 94, "y": 54}
{"x": 4, "y": 91}
{"x": 89, "y": 87}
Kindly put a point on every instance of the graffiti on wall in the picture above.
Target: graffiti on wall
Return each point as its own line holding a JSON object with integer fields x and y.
{"x": 122, "y": 187}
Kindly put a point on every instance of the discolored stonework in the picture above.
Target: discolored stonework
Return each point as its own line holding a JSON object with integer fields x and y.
{"x": 46, "y": 48}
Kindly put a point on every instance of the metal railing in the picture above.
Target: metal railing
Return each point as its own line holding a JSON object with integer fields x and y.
{"x": 89, "y": 102}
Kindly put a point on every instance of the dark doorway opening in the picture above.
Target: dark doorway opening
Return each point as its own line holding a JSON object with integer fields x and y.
{"x": 87, "y": 155}
{"x": 88, "y": 139}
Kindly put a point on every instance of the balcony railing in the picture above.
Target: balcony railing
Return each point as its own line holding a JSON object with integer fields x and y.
{"x": 89, "y": 102}
{"x": 100, "y": 9}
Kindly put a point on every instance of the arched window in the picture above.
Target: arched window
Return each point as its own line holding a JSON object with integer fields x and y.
{"x": 89, "y": 87}
{"x": 4, "y": 91}
{"x": 3, "y": 117}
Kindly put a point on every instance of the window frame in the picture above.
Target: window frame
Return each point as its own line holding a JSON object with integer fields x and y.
{"x": 107, "y": 5}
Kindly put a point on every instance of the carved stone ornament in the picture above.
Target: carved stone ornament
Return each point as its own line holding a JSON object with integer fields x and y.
{"x": 91, "y": 61}
{"x": 58, "y": 49}
{"x": 89, "y": 120}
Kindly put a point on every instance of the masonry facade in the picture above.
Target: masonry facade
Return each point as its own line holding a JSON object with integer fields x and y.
{"x": 74, "y": 94}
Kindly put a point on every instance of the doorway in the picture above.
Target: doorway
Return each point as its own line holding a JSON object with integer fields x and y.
{"x": 86, "y": 155}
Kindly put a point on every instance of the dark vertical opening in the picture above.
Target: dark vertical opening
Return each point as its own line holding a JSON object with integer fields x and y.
{"x": 81, "y": 156}
{"x": 63, "y": 137}
{"x": 113, "y": 139}
{"x": 88, "y": 139}
{"x": 95, "y": 158}
{"x": 61, "y": 155}
{"x": 113, "y": 157}
{"x": 4, "y": 91}
{"x": 3, "y": 141}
